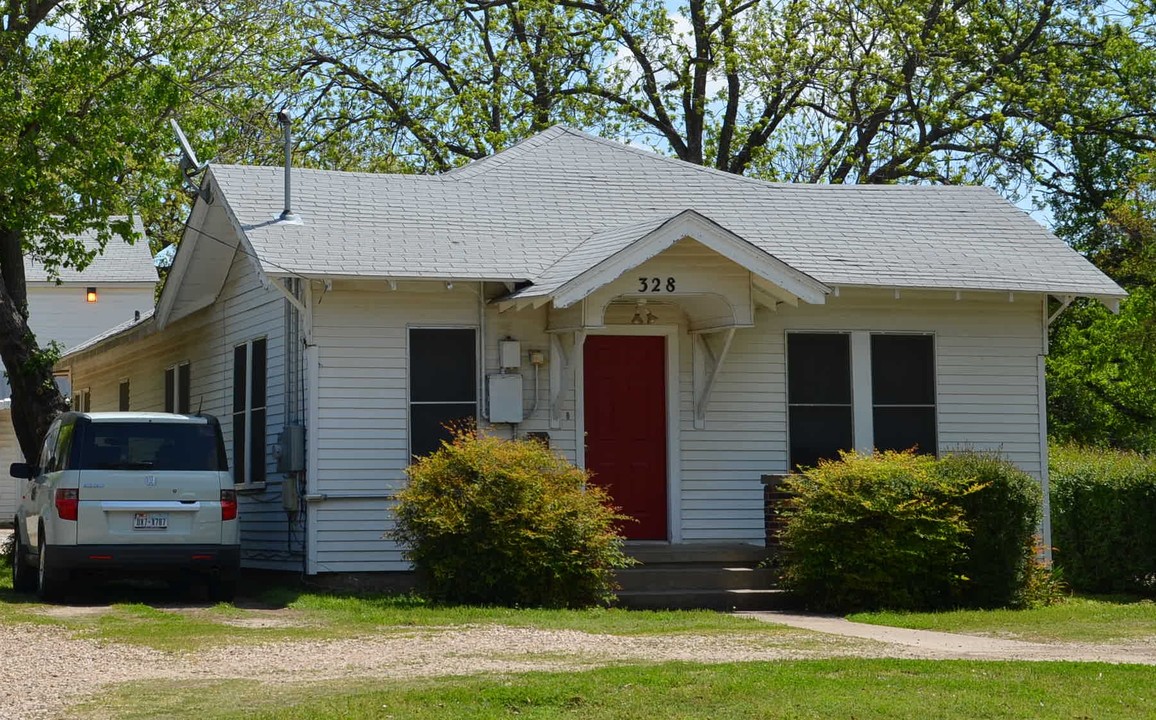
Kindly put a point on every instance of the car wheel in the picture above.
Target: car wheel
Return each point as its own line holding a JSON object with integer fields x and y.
{"x": 23, "y": 579}
{"x": 51, "y": 578}
{"x": 222, "y": 588}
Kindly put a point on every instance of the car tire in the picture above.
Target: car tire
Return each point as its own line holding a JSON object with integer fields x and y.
{"x": 24, "y": 580}
{"x": 51, "y": 579}
{"x": 222, "y": 588}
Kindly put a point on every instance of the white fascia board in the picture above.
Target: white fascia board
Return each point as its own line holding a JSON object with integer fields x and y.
{"x": 181, "y": 262}
{"x": 693, "y": 225}
{"x": 246, "y": 247}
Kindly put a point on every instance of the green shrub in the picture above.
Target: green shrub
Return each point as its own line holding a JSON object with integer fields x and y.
{"x": 1104, "y": 519}
{"x": 879, "y": 531}
{"x": 496, "y": 522}
{"x": 1003, "y": 514}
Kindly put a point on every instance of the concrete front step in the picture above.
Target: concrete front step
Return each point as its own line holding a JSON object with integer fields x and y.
{"x": 724, "y": 600}
{"x": 694, "y": 577}
{"x": 729, "y": 554}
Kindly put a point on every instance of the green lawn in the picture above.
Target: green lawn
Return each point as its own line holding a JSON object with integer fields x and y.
{"x": 859, "y": 689}
{"x": 1078, "y": 619}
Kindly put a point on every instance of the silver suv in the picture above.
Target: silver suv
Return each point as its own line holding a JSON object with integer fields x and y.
{"x": 146, "y": 493}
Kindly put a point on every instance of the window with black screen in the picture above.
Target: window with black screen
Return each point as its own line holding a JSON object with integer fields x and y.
{"x": 443, "y": 384}
{"x": 818, "y": 396}
{"x": 903, "y": 392}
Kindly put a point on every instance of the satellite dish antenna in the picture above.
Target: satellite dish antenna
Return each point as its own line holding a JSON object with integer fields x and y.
{"x": 190, "y": 166}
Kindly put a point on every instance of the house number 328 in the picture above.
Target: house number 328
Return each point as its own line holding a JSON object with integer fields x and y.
{"x": 655, "y": 284}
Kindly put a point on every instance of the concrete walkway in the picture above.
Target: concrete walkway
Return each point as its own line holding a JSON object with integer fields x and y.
{"x": 941, "y": 645}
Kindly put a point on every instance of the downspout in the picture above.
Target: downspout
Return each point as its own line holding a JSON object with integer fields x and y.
{"x": 312, "y": 420}
{"x": 1045, "y": 474}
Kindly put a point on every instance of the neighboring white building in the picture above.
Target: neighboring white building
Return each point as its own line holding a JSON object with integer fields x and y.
{"x": 123, "y": 281}
{"x": 677, "y": 330}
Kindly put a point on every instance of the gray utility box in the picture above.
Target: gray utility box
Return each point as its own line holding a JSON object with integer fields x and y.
{"x": 505, "y": 394}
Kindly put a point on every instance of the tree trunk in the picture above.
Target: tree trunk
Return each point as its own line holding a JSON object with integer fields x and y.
{"x": 35, "y": 398}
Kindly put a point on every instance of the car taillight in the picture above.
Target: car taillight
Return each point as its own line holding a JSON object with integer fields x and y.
{"x": 67, "y": 503}
{"x": 228, "y": 504}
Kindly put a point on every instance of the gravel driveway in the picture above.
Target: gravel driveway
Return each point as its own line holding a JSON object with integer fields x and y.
{"x": 68, "y": 669}
{"x": 46, "y": 669}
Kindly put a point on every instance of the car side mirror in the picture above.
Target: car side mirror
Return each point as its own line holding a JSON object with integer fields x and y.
{"x": 24, "y": 471}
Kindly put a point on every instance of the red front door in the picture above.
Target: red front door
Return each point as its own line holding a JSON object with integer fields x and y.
{"x": 625, "y": 411}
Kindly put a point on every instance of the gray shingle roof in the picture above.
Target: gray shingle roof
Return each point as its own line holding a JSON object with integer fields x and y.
{"x": 145, "y": 318}
{"x": 120, "y": 262}
{"x": 514, "y": 215}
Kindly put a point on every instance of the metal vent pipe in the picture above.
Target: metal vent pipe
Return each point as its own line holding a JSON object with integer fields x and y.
{"x": 286, "y": 122}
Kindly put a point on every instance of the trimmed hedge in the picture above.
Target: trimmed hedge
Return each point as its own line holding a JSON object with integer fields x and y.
{"x": 1104, "y": 519}
{"x": 879, "y": 531}
{"x": 499, "y": 522}
{"x": 1003, "y": 514}
{"x": 903, "y": 531}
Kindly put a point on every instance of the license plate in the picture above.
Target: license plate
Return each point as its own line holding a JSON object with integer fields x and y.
{"x": 150, "y": 521}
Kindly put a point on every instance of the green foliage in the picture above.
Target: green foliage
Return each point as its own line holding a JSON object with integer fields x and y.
{"x": 1044, "y": 584}
{"x": 885, "y": 530}
{"x": 1100, "y": 370}
{"x": 1003, "y": 515}
{"x": 905, "y": 531}
{"x": 1104, "y": 519}
{"x": 86, "y": 91}
{"x": 1101, "y": 365}
{"x": 805, "y": 90}
{"x": 495, "y": 522}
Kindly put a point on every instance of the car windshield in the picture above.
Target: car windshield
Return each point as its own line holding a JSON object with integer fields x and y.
{"x": 152, "y": 446}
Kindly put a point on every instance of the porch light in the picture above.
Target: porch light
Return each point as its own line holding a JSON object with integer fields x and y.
{"x": 642, "y": 315}
{"x": 90, "y": 295}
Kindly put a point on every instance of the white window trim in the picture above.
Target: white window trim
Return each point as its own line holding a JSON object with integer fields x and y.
{"x": 119, "y": 385}
{"x": 82, "y": 399}
{"x": 478, "y": 383}
{"x": 176, "y": 368}
{"x": 862, "y": 395}
{"x": 247, "y": 471}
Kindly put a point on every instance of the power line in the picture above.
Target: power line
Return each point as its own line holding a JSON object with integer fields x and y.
{"x": 239, "y": 248}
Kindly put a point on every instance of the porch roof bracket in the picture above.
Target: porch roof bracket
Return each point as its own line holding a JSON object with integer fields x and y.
{"x": 706, "y": 370}
{"x": 1065, "y": 301}
{"x": 561, "y": 372}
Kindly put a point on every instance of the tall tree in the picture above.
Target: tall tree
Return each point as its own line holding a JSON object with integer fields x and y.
{"x": 86, "y": 88}
{"x": 803, "y": 90}
{"x": 1102, "y": 366}
{"x": 426, "y": 84}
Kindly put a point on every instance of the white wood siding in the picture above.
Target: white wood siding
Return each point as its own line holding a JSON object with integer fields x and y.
{"x": 987, "y": 393}
{"x": 986, "y": 351}
{"x": 244, "y": 311}
{"x": 361, "y": 329}
{"x": 986, "y": 355}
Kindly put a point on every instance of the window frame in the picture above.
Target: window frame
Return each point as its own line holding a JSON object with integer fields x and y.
{"x": 410, "y": 402}
{"x": 82, "y": 400}
{"x": 849, "y": 405}
{"x": 934, "y": 382}
{"x": 863, "y": 403}
{"x": 178, "y": 388}
{"x": 248, "y": 469}
{"x": 123, "y": 395}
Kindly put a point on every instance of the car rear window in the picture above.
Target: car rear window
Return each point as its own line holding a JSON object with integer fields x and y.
{"x": 152, "y": 446}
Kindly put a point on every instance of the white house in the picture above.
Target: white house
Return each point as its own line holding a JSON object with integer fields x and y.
{"x": 119, "y": 283}
{"x": 678, "y": 331}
